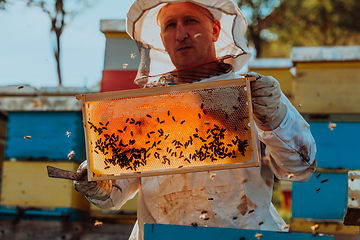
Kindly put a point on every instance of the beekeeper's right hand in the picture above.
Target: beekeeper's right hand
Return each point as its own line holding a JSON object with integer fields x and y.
{"x": 99, "y": 190}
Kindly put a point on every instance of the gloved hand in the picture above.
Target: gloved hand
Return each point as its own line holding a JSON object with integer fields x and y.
{"x": 268, "y": 110}
{"x": 99, "y": 190}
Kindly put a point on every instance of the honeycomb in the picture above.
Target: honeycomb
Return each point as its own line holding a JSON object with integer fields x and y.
{"x": 155, "y": 134}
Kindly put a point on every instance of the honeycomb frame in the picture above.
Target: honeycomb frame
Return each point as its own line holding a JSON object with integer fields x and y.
{"x": 169, "y": 130}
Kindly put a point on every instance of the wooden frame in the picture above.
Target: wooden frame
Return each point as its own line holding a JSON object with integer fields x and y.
{"x": 90, "y": 101}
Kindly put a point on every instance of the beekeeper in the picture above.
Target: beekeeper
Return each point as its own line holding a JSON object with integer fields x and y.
{"x": 203, "y": 40}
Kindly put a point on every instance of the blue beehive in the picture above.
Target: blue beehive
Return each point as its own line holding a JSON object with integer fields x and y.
{"x": 320, "y": 97}
{"x": 49, "y": 140}
{"x": 54, "y": 128}
{"x": 165, "y": 232}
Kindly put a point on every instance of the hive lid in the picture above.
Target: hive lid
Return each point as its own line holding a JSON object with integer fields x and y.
{"x": 317, "y": 54}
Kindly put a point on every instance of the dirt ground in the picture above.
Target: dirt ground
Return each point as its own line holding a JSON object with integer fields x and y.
{"x": 56, "y": 230}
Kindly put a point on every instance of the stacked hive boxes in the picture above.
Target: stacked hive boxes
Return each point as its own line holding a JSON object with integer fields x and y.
{"x": 41, "y": 130}
{"x": 122, "y": 57}
{"x": 326, "y": 92}
{"x": 121, "y": 62}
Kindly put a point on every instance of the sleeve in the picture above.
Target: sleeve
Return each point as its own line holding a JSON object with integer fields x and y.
{"x": 290, "y": 148}
{"x": 122, "y": 191}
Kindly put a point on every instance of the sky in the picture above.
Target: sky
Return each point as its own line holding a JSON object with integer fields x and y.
{"x": 26, "y": 55}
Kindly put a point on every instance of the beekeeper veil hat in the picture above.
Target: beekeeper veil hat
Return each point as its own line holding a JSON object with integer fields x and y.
{"x": 143, "y": 27}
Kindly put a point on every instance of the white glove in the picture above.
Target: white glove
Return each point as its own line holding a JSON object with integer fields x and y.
{"x": 99, "y": 190}
{"x": 268, "y": 110}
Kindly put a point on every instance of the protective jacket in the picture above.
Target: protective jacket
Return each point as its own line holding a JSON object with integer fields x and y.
{"x": 235, "y": 198}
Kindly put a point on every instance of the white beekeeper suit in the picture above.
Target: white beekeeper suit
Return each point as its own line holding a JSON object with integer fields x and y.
{"x": 236, "y": 198}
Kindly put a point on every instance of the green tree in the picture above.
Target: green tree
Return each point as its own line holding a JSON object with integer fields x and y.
{"x": 256, "y": 11}
{"x": 58, "y": 15}
{"x": 312, "y": 23}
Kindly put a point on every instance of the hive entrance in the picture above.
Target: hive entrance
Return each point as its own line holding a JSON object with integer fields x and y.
{"x": 166, "y": 130}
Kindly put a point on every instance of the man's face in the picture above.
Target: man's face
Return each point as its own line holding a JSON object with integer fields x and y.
{"x": 188, "y": 34}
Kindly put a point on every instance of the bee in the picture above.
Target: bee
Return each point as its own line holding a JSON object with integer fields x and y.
{"x": 314, "y": 227}
{"x": 98, "y": 223}
{"x": 71, "y": 154}
{"x": 212, "y": 176}
{"x": 332, "y": 126}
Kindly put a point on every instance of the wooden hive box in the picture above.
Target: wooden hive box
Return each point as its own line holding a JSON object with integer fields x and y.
{"x": 122, "y": 57}
{"x": 327, "y": 193}
{"x": 327, "y": 79}
{"x": 26, "y": 184}
{"x": 168, "y": 130}
{"x": 46, "y": 119}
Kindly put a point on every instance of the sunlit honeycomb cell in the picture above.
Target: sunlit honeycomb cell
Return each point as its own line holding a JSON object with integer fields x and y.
{"x": 167, "y": 130}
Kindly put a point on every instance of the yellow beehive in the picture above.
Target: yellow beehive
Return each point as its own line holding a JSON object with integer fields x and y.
{"x": 327, "y": 79}
{"x": 168, "y": 130}
{"x": 26, "y": 184}
{"x": 279, "y": 68}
